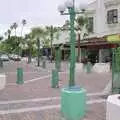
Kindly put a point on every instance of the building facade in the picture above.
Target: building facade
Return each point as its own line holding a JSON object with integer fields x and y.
{"x": 105, "y": 20}
{"x": 103, "y": 23}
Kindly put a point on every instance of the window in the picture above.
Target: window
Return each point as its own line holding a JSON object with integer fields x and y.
{"x": 112, "y": 16}
{"x": 90, "y": 24}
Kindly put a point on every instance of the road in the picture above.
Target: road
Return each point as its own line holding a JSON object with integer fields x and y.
{"x": 36, "y": 100}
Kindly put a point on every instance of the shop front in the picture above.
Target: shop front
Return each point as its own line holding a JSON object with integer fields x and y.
{"x": 96, "y": 50}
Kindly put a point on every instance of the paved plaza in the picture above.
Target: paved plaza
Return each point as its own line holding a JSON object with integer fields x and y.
{"x": 36, "y": 100}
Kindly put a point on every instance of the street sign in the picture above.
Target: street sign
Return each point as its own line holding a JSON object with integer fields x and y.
{"x": 113, "y": 38}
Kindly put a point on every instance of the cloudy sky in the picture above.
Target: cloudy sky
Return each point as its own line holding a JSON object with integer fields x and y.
{"x": 36, "y": 12}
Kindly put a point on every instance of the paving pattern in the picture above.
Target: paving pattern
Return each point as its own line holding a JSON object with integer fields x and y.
{"x": 36, "y": 100}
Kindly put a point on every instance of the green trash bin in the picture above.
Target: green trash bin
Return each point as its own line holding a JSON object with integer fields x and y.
{"x": 54, "y": 78}
{"x": 19, "y": 76}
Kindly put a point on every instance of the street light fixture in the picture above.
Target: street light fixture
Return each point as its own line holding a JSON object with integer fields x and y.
{"x": 76, "y": 110}
{"x": 71, "y": 11}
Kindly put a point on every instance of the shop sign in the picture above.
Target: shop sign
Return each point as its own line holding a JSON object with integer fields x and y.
{"x": 113, "y": 38}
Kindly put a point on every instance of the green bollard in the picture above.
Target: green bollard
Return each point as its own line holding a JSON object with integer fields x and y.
{"x": 58, "y": 59}
{"x": 1, "y": 63}
{"x": 44, "y": 64}
{"x": 54, "y": 78}
{"x": 19, "y": 76}
{"x": 88, "y": 67}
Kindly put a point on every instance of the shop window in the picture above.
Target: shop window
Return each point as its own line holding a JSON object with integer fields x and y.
{"x": 112, "y": 16}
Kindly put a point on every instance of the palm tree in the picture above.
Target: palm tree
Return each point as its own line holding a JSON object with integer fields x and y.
{"x": 51, "y": 30}
{"x": 9, "y": 33}
{"x": 1, "y": 38}
{"x": 11, "y": 27}
{"x": 14, "y": 26}
{"x": 29, "y": 42}
{"x": 24, "y": 22}
{"x": 39, "y": 35}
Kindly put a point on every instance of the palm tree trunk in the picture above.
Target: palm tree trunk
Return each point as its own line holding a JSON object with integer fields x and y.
{"x": 20, "y": 50}
{"x": 51, "y": 44}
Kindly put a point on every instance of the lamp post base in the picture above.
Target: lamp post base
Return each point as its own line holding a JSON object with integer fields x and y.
{"x": 73, "y": 103}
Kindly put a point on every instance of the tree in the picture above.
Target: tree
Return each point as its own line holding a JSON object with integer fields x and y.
{"x": 29, "y": 42}
{"x": 15, "y": 25}
{"x": 9, "y": 33}
{"x": 1, "y": 38}
{"x": 51, "y": 30}
{"x": 24, "y": 22}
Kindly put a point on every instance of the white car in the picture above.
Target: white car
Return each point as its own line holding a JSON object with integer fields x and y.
{"x": 4, "y": 57}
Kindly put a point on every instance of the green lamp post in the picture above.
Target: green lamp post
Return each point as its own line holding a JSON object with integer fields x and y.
{"x": 72, "y": 97}
{"x": 38, "y": 45}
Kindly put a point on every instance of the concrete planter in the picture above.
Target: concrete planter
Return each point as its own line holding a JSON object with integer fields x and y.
{"x": 113, "y": 107}
{"x": 73, "y": 103}
{"x": 2, "y": 81}
{"x": 101, "y": 67}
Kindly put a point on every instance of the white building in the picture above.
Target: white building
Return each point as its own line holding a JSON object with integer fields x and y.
{"x": 104, "y": 20}
{"x": 106, "y": 14}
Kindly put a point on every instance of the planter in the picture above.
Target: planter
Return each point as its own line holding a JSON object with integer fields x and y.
{"x": 2, "y": 81}
{"x": 101, "y": 67}
{"x": 73, "y": 103}
{"x": 113, "y": 107}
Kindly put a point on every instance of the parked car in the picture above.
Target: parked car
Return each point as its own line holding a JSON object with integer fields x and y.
{"x": 4, "y": 57}
{"x": 15, "y": 57}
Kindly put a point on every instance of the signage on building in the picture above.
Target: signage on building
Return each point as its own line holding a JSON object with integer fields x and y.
{"x": 113, "y": 38}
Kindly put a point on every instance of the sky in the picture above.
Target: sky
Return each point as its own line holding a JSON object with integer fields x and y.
{"x": 36, "y": 12}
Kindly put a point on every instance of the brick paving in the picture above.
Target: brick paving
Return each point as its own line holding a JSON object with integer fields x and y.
{"x": 93, "y": 112}
{"x": 93, "y": 82}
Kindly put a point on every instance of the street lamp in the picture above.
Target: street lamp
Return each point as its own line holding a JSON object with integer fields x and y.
{"x": 72, "y": 97}
{"x": 71, "y": 11}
